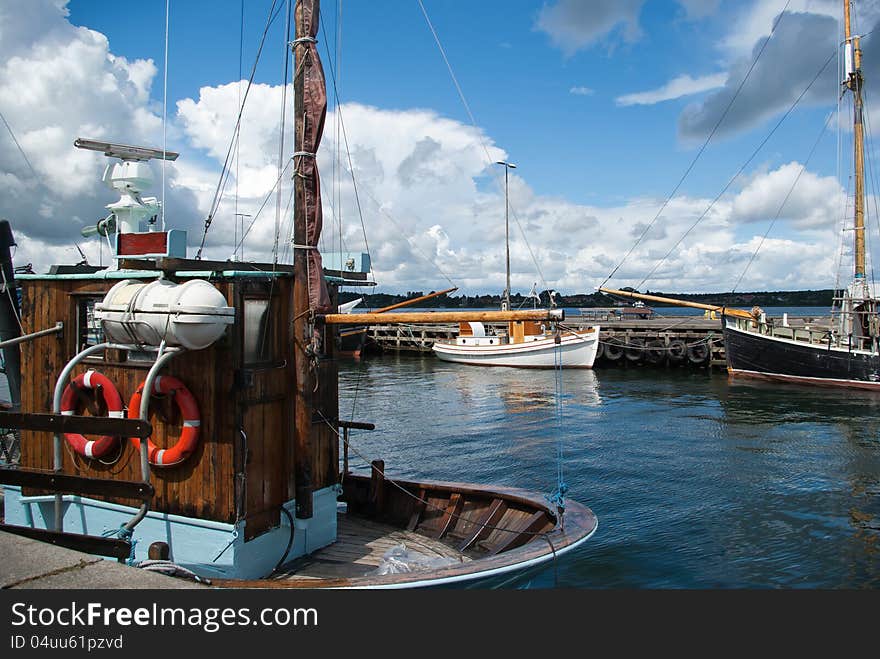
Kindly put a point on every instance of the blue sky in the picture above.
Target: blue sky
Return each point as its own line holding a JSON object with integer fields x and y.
{"x": 602, "y": 105}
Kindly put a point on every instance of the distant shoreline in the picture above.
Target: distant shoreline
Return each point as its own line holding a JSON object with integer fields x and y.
{"x": 808, "y": 298}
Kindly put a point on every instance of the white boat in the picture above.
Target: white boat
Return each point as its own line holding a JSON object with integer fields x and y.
{"x": 523, "y": 344}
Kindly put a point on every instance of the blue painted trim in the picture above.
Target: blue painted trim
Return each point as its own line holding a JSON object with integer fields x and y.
{"x": 208, "y": 548}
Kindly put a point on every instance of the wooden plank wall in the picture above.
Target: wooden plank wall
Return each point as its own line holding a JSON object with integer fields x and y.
{"x": 246, "y": 413}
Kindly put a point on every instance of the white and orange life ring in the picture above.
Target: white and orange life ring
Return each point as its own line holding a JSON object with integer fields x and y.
{"x": 96, "y": 381}
{"x": 189, "y": 409}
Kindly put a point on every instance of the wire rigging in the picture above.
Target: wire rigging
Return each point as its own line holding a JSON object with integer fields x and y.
{"x": 784, "y": 201}
{"x": 238, "y": 131}
{"x": 489, "y": 159}
{"x": 702, "y": 148}
{"x": 18, "y": 146}
{"x": 341, "y": 124}
{"x": 165, "y": 109}
{"x": 225, "y": 172}
{"x": 282, "y": 128}
{"x": 739, "y": 171}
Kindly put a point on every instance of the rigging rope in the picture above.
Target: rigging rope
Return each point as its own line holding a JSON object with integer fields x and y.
{"x": 235, "y": 219}
{"x": 418, "y": 499}
{"x": 18, "y": 146}
{"x": 869, "y": 156}
{"x": 702, "y": 149}
{"x": 739, "y": 171}
{"x": 350, "y": 170}
{"x": 224, "y": 174}
{"x": 284, "y": 83}
{"x": 557, "y": 497}
{"x": 341, "y": 123}
{"x": 489, "y": 159}
{"x": 165, "y": 110}
{"x": 263, "y": 205}
{"x": 784, "y": 201}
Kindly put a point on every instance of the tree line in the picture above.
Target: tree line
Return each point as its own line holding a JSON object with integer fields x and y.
{"x": 809, "y": 298}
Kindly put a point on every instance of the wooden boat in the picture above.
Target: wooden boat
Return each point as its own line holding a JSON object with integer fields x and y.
{"x": 523, "y": 344}
{"x": 520, "y": 344}
{"x": 846, "y": 354}
{"x": 227, "y": 460}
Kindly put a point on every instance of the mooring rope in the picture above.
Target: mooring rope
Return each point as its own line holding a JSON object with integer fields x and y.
{"x": 557, "y": 497}
{"x": 417, "y": 498}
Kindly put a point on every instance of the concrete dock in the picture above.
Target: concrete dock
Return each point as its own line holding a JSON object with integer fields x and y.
{"x": 30, "y": 564}
{"x": 642, "y": 337}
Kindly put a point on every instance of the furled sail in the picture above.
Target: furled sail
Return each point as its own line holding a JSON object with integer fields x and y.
{"x": 314, "y": 103}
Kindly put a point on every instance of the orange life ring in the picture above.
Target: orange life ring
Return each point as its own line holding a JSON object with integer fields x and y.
{"x": 92, "y": 380}
{"x": 189, "y": 437}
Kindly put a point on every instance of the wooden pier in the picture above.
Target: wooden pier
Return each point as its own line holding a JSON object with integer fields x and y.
{"x": 633, "y": 339}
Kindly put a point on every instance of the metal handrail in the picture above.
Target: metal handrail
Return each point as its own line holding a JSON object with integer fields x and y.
{"x": 59, "y": 327}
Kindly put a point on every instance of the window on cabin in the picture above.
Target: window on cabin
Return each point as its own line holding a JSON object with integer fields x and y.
{"x": 88, "y": 329}
{"x": 257, "y": 331}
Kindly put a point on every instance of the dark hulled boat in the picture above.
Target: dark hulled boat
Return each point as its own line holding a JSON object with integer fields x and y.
{"x": 846, "y": 353}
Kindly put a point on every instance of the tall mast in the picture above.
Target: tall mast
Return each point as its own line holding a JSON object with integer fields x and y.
{"x": 505, "y": 305}
{"x": 310, "y": 295}
{"x": 854, "y": 82}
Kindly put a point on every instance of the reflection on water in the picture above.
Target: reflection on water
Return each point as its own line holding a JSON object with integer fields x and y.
{"x": 697, "y": 481}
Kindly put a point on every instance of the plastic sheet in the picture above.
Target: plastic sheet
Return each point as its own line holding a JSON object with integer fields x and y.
{"x": 399, "y": 559}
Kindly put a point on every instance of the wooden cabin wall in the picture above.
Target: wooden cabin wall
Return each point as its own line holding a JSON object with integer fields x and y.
{"x": 265, "y": 415}
{"x": 201, "y": 486}
{"x": 243, "y": 466}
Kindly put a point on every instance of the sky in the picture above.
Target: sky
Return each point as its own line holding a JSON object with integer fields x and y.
{"x": 678, "y": 146}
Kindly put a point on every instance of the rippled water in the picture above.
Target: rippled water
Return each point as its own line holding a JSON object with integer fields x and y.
{"x": 697, "y": 482}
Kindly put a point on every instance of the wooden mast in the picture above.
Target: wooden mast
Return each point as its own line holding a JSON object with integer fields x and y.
{"x": 303, "y": 318}
{"x": 854, "y": 83}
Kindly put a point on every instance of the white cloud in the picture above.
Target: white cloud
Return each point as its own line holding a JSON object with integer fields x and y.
{"x": 59, "y": 82}
{"x": 581, "y": 91}
{"x": 806, "y": 38}
{"x": 429, "y": 173}
{"x": 756, "y": 21}
{"x": 683, "y": 85}
{"x": 813, "y": 203}
{"x": 573, "y": 25}
{"x": 697, "y": 9}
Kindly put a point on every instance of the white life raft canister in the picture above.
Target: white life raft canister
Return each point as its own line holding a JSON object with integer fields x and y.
{"x": 193, "y": 314}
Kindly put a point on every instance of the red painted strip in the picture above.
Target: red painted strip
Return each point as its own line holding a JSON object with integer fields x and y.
{"x": 133, "y": 244}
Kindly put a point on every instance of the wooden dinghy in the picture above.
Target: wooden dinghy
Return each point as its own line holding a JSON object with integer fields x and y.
{"x": 452, "y": 533}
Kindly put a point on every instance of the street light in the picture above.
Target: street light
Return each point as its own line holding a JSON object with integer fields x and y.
{"x": 505, "y": 306}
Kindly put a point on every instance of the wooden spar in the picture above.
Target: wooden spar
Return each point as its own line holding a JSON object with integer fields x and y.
{"x": 416, "y": 317}
{"x": 854, "y": 83}
{"x": 681, "y": 303}
{"x": 407, "y": 303}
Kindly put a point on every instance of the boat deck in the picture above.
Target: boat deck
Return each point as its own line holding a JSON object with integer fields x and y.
{"x": 360, "y": 548}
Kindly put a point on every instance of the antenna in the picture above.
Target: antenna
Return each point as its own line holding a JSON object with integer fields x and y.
{"x": 85, "y": 259}
{"x": 124, "y": 151}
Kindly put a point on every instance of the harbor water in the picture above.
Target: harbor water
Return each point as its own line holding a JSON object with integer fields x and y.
{"x": 697, "y": 481}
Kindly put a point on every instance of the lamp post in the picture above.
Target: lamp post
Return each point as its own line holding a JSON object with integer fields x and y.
{"x": 505, "y": 305}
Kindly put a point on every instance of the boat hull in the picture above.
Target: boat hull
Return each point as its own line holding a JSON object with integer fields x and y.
{"x": 514, "y": 532}
{"x": 750, "y": 354}
{"x": 510, "y": 535}
{"x": 352, "y": 342}
{"x": 574, "y": 351}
